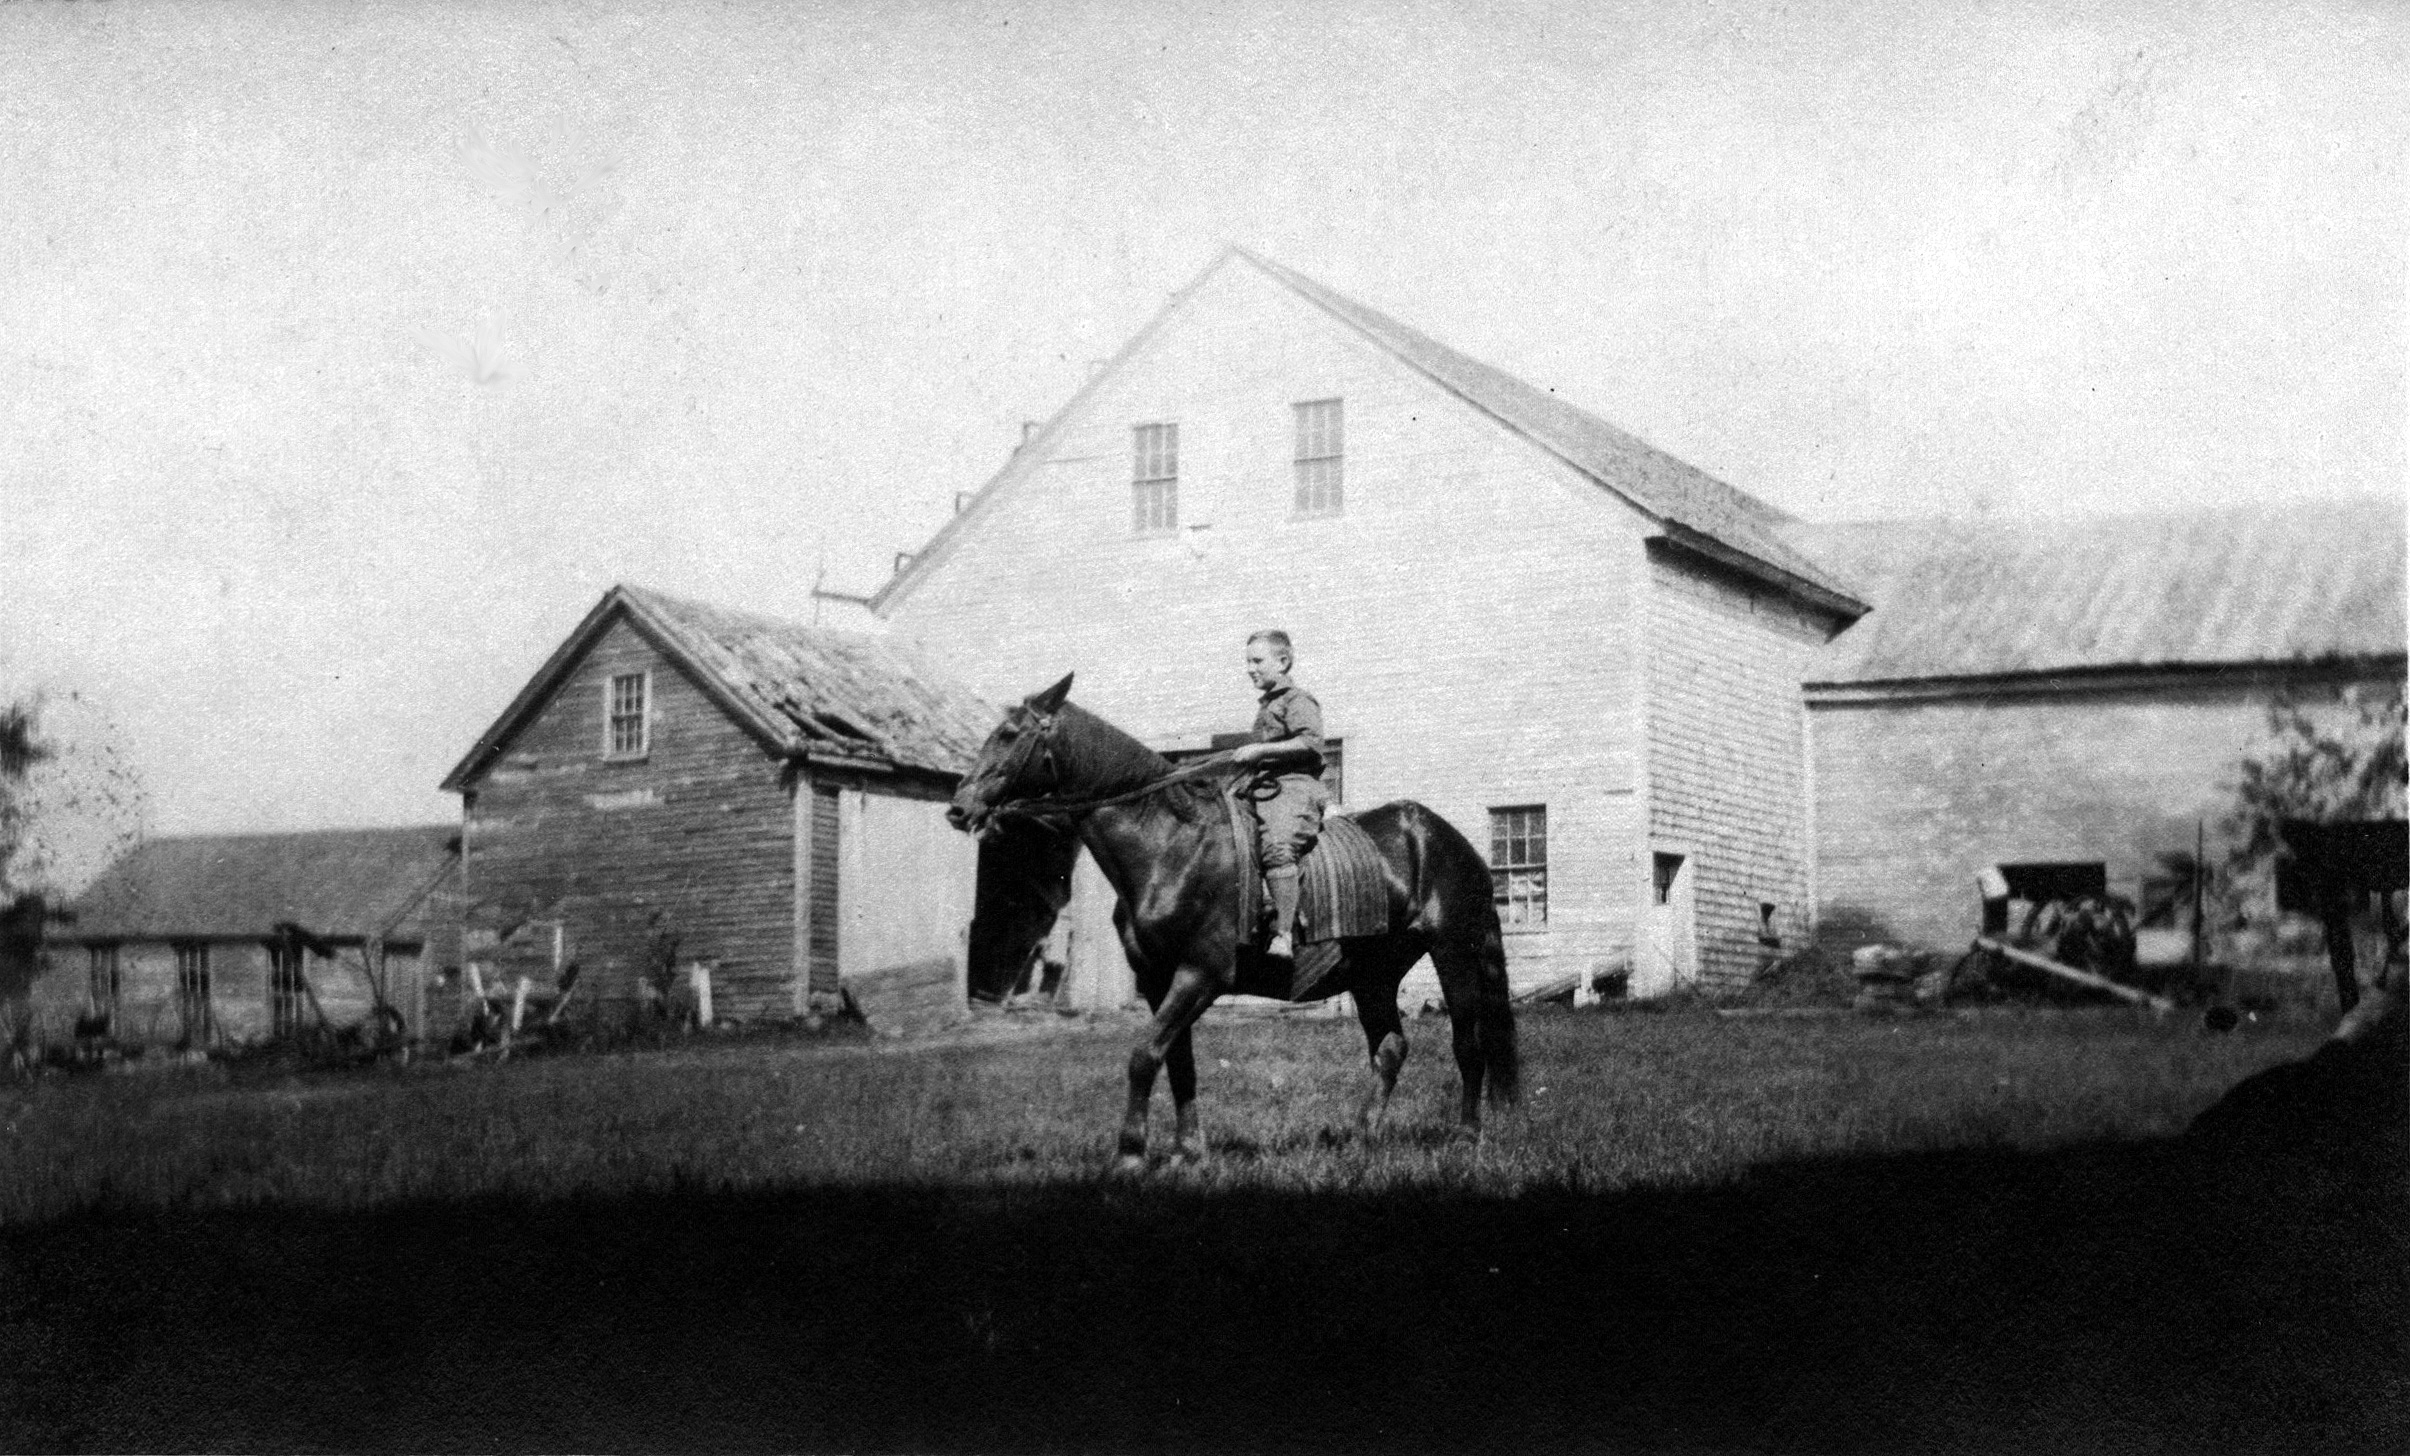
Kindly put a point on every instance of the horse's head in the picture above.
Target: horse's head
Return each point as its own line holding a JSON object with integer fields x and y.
{"x": 1016, "y": 762}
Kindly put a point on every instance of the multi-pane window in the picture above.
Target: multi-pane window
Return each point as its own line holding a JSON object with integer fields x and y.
{"x": 1320, "y": 449}
{"x": 1519, "y": 864}
{"x": 1155, "y": 479}
{"x": 192, "y": 991}
{"x": 626, "y": 733}
{"x": 101, "y": 974}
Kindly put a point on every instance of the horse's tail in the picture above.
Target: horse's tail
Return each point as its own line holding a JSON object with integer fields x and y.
{"x": 1501, "y": 1062}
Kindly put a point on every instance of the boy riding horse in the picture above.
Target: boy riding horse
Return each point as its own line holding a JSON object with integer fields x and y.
{"x": 1286, "y": 789}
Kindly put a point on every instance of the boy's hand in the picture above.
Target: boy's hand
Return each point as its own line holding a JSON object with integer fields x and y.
{"x": 1247, "y": 753}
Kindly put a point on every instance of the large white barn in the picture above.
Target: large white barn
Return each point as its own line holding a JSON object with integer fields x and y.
{"x": 1583, "y": 652}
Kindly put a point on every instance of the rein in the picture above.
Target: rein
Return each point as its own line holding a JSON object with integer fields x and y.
{"x": 1041, "y": 807}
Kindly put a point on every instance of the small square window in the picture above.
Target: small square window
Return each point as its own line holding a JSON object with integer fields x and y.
{"x": 102, "y": 979}
{"x": 626, "y": 734}
{"x": 192, "y": 993}
{"x": 1154, "y": 479}
{"x": 1321, "y": 449}
{"x": 1519, "y": 864}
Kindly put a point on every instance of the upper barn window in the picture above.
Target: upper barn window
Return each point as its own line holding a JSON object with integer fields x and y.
{"x": 1320, "y": 450}
{"x": 626, "y": 730}
{"x": 1155, "y": 479}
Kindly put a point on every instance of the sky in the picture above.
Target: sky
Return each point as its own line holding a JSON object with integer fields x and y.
{"x": 765, "y": 286}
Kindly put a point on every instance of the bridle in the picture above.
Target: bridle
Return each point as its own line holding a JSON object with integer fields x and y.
{"x": 1040, "y": 740}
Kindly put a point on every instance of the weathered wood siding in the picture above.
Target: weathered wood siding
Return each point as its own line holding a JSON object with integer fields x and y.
{"x": 1466, "y": 621}
{"x": 1727, "y": 759}
{"x": 1914, "y": 798}
{"x": 691, "y": 841}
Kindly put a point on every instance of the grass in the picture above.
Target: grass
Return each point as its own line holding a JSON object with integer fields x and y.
{"x": 1706, "y": 1232}
{"x": 1613, "y": 1101}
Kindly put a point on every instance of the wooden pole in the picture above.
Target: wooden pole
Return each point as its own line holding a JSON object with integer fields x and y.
{"x": 2200, "y": 872}
{"x": 2081, "y": 978}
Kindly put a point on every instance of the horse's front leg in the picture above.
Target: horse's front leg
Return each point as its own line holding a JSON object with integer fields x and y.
{"x": 1181, "y": 1061}
{"x": 1191, "y": 992}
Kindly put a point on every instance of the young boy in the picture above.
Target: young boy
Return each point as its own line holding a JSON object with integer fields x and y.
{"x": 1287, "y": 789}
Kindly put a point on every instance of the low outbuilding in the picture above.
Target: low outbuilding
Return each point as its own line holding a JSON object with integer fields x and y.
{"x": 2075, "y": 695}
{"x": 208, "y": 941}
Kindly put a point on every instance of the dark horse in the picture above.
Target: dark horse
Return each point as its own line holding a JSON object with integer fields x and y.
{"x": 1053, "y": 776}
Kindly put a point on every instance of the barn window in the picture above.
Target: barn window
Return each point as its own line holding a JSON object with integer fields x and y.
{"x": 1320, "y": 447}
{"x": 625, "y": 734}
{"x": 192, "y": 991}
{"x": 1155, "y": 479}
{"x": 1519, "y": 864}
{"x": 101, "y": 978}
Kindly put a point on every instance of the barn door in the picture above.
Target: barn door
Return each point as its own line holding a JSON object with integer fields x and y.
{"x": 1098, "y": 974}
{"x": 1666, "y": 949}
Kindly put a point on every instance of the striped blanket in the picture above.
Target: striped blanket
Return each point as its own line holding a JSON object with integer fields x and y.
{"x": 1340, "y": 889}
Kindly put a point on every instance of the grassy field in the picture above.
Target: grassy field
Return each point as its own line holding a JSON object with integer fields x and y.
{"x": 1699, "y": 1231}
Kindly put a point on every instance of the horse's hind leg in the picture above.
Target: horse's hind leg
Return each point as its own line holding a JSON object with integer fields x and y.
{"x": 1460, "y": 985}
{"x": 1385, "y": 1043}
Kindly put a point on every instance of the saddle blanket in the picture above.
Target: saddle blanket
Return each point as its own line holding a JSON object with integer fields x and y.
{"x": 1340, "y": 891}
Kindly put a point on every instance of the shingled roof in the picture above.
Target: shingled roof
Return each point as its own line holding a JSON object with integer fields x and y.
{"x": 1695, "y": 509}
{"x": 813, "y": 692}
{"x": 2315, "y": 581}
{"x": 334, "y": 883}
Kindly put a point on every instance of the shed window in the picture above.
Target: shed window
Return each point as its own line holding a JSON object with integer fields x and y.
{"x": 192, "y": 992}
{"x": 288, "y": 992}
{"x": 626, "y": 734}
{"x": 1519, "y": 864}
{"x": 102, "y": 979}
{"x": 1320, "y": 447}
{"x": 1155, "y": 479}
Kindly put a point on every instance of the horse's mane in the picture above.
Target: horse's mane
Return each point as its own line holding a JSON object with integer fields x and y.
{"x": 1094, "y": 757}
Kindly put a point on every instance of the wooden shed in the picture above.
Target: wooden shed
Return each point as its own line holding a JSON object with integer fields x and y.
{"x": 214, "y": 940}
{"x": 683, "y": 788}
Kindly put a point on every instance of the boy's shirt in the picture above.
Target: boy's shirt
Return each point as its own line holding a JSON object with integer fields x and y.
{"x": 1289, "y": 714}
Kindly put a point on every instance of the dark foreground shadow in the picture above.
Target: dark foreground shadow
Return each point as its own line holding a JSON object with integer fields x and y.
{"x": 2222, "y": 1292}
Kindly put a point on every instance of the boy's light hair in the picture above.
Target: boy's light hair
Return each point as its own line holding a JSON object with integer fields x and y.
{"x": 1278, "y": 639}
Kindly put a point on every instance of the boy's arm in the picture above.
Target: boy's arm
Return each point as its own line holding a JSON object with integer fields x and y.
{"x": 1299, "y": 750}
{"x": 1301, "y": 744}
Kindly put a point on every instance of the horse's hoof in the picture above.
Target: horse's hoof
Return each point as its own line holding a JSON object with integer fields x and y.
{"x": 1187, "y": 1157}
{"x": 1130, "y": 1165}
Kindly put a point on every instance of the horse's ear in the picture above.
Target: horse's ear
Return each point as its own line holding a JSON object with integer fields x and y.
{"x": 1051, "y": 699}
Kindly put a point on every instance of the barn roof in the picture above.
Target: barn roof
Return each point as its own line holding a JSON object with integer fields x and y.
{"x": 1705, "y": 513}
{"x": 2317, "y": 581}
{"x": 800, "y": 691}
{"x": 335, "y": 883}
{"x": 1696, "y": 510}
